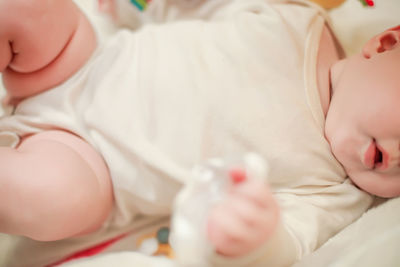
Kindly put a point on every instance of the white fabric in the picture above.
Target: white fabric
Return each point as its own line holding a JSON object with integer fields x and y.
{"x": 156, "y": 102}
{"x": 373, "y": 240}
{"x": 122, "y": 259}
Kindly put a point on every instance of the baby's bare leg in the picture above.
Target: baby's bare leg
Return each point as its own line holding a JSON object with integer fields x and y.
{"x": 42, "y": 43}
{"x": 53, "y": 186}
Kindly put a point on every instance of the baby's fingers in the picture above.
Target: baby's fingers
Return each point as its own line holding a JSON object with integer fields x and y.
{"x": 224, "y": 224}
{"x": 256, "y": 191}
{"x": 227, "y": 233}
{"x": 253, "y": 214}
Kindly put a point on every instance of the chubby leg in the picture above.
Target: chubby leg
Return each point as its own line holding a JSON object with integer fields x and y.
{"x": 53, "y": 186}
{"x": 42, "y": 43}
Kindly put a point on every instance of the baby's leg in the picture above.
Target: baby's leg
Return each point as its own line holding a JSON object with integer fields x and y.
{"x": 42, "y": 43}
{"x": 53, "y": 186}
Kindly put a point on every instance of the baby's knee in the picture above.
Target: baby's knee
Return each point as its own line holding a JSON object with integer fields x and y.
{"x": 52, "y": 214}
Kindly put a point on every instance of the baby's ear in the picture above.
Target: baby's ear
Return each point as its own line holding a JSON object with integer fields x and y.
{"x": 382, "y": 42}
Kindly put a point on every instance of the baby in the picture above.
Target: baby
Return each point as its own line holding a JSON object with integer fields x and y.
{"x": 100, "y": 138}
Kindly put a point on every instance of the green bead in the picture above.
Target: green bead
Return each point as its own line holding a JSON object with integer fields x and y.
{"x": 163, "y": 235}
{"x": 363, "y": 2}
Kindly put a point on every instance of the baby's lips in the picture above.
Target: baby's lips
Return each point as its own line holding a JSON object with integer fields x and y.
{"x": 369, "y": 156}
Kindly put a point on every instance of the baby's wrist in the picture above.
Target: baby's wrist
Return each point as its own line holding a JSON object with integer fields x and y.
{"x": 279, "y": 250}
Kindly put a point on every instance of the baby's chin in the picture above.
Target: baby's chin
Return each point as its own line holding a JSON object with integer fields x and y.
{"x": 382, "y": 193}
{"x": 379, "y": 188}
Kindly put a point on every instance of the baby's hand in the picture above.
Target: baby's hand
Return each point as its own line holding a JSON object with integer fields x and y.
{"x": 244, "y": 220}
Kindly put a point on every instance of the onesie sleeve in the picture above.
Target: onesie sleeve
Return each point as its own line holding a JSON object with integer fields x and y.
{"x": 313, "y": 215}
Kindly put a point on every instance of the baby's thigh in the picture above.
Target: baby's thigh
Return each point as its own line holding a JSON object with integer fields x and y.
{"x": 60, "y": 180}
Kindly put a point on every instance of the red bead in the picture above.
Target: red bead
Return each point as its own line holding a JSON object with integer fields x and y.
{"x": 237, "y": 175}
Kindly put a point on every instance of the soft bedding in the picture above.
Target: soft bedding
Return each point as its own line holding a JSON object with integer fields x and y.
{"x": 373, "y": 240}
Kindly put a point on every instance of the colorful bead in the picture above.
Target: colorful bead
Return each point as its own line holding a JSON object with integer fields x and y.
{"x": 141, "y": 4}
{"x": 367, "y": 2}
{"x": 163, "y": 235}
{"x": 237, "y": 175}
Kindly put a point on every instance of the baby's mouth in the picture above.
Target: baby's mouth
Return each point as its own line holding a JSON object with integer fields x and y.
{"x": 375, "y": 157}
{"x": 378, "y": 159}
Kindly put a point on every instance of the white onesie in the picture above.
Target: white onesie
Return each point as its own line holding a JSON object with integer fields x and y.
{"x": 158, "y": 101}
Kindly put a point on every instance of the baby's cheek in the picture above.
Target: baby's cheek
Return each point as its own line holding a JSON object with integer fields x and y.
{"x": 338, "y": 147}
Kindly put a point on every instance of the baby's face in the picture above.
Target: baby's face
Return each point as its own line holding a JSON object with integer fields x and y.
{"x": 363, "y": 121}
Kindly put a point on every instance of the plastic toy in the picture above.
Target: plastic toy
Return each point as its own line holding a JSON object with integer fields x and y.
{"x": 156, "y": 243}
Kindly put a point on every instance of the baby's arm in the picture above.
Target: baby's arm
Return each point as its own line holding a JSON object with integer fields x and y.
{"x": 246, "y": 228}
{"x": 53, "y": 186}
{"x": 42, "y": 43}
{"x": 246, "y": 218}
